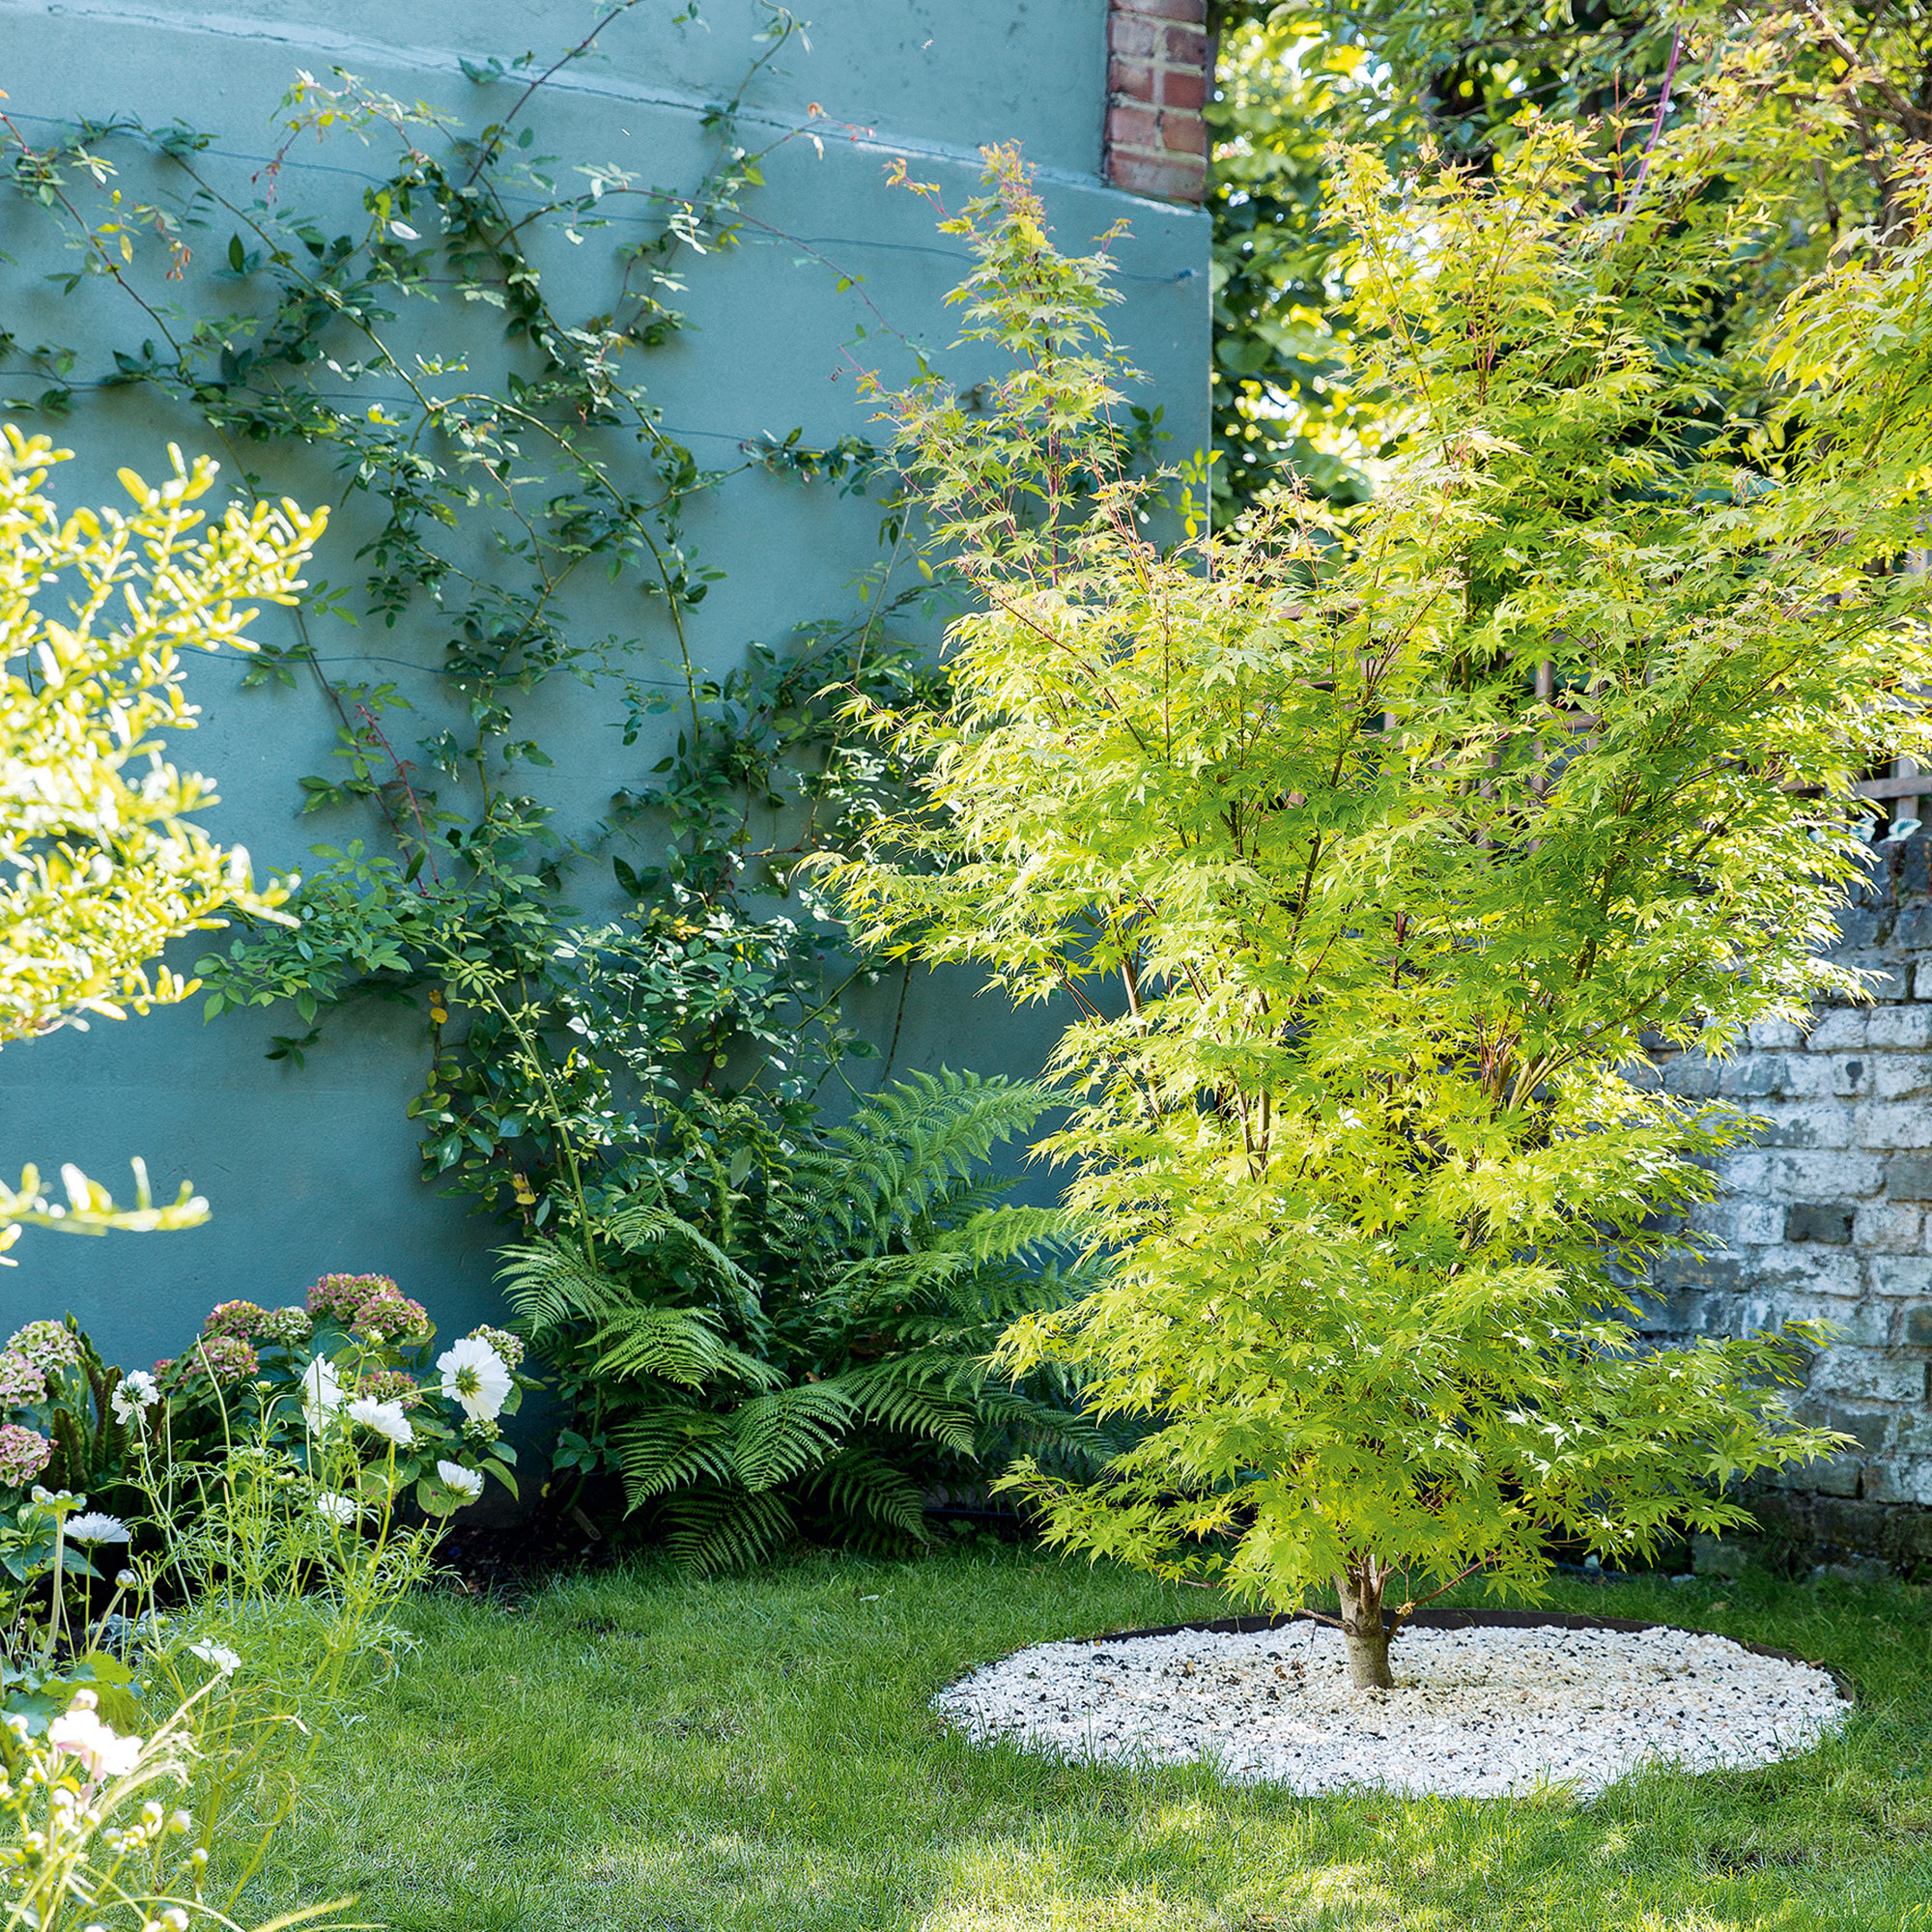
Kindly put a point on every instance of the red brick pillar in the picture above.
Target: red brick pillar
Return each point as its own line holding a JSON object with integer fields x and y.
{"x": 1157, "y": 82}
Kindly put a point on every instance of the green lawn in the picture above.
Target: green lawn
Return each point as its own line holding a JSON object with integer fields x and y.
{"x": 640, "y": 1751}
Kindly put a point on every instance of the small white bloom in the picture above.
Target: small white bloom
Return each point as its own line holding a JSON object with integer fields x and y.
{"x": 385, "y": 1419}
{"x": 321, "y": 1393}
{"x": 97, "y": 1527}
{"x": 334, "y": 1507}
{"x": 125, "y": 1580}
{"x": 224, "y": 1660}
{"x": 136, "y": 1392}
{"x": 475, "y": 1375}
{"x": 81, "y": 1734}
{"x": 467, "y": 1483}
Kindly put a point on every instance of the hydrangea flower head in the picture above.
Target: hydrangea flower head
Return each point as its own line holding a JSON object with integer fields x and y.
{"x": 24, "y": 1454}
{"x": 288, "y": 1327}
{"x": 47, "y": 1344}
{"x": 390, "y": 1317}
{"x": 240, "y": 1318}
{"x": 22, "y": 1381}
{"x": 337, "y": 1296}
{"x": 475, "y": 1375}
{"x": 396, "y": 1385}
{"x": 222, "y": 1359}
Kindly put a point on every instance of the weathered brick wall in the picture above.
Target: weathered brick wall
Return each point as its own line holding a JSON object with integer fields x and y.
{"x": 1829, "y": 1215}
{"x": 1158, "y": 79}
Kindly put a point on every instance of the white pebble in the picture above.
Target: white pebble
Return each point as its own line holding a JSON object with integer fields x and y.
{"x": 1476, "y": 1713}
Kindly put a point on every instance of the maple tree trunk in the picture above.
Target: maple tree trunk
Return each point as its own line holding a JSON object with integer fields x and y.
{"x": 1363, "y": 1631}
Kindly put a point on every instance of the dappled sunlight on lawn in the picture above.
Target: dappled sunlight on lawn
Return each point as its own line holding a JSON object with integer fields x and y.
{"x": 642, "y": 1754}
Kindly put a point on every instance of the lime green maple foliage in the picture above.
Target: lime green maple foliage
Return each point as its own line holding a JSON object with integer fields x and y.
{"x": 103, "y": 865}
{"x": 1370, "y": 858}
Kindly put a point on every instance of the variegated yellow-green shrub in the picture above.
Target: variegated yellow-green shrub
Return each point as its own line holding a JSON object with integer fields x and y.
{"x": 101, "y": 864}
{"x": 1365, "y": 857}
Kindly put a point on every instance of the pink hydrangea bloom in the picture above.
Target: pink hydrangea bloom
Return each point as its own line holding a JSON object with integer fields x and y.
{"x": 288, "y": 1327}
{"x": 340, "y": 1295}
{"x": 47, "y": 1344}
{"x": 21, "y": 1382}
{"x": 390, "y": 1385}
{"x": 240, "y": 1318}
{"x": 223, "y": 1358}
{"x": 24, "y": 1454}
{"x": 387, "y": 1318}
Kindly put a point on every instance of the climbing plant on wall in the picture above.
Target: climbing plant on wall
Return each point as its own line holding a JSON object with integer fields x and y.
{"x": 504, "y": 462}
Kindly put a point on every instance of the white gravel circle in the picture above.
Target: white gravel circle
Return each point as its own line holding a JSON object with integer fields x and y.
{"x": 1476, "y": 1713}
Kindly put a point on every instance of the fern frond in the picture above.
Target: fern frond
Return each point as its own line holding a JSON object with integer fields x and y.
{"x": 725, "y": 1528}
{"x": 552, "y": 1284}
{"x": 782, "y": 1435}
{"x": 645, "y": 1226}
{"x": 912, "y": 1397}
{"x": 1009, "y": 1234}
{"x": 669, "y": 1449}
{"x": 859, "y": 1482}
{"x": 903, "y": 1145}
{"x": 676, "y": 1344}
{"x": 881, "y": 1278}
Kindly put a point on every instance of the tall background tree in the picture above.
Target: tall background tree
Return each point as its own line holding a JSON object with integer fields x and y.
{"x": 1402, "y": 76}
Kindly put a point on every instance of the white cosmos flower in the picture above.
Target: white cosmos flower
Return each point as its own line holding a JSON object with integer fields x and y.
{"x": 81, "y": 1734}
{"x": 134, "y": 1394}
{"x": 334, "y": 1507}
{"x": 224, "y": 1660}
{"x": 467, "y": 1483}
{"x": 475, "y": 1375}
{"x": 97, "y": 1527}
{"x": 385, "y": 1419}
{"x": 321, "y": 1393}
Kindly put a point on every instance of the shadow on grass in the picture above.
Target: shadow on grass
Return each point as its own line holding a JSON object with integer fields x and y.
{"x": 639, "y": 1751}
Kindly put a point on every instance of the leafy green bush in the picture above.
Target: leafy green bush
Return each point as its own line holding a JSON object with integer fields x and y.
{"x": 105, "y": 864}
{"x": 359, "y": 1348}
{"x": 805, "y": 1341}
{"x": 1397, "y": 841}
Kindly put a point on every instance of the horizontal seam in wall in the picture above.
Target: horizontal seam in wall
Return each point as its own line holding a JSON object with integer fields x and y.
{"x": 324, "y": 42}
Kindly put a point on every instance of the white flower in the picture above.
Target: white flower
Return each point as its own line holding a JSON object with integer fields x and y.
{"x": 385, "y": 1419}
{"x": 334, "y": 1507}
{"x": 97, "y": 1527}
{"x": 467, "y": 1483}
{"x": 475, "y": 1375}
{"x": 321, "y": 1393}
{"x": 224, "y": 1660}
{"x": 125, "y": 1580}
{"x": 136, "y": 1392}
{"x": 81, "y": 1734}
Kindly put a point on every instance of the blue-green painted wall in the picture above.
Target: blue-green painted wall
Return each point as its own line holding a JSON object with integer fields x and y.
{"x": 315, "y": 1170}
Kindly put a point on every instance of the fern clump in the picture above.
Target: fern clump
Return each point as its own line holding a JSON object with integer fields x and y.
{"x": 806, "y": 1347}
